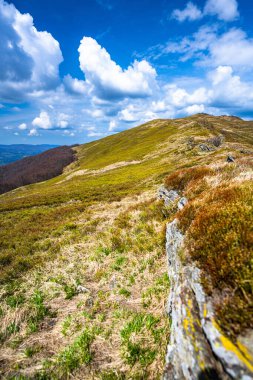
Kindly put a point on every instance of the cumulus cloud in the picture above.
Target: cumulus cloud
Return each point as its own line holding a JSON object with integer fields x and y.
{"x": 74, "y": 86}
{"x": 107, "y": 79}
{"x": 230, "y": 90}
{"x": 29, "y": 58}
{"x": 191, "y": 12}
{"x": 42, "y": 121}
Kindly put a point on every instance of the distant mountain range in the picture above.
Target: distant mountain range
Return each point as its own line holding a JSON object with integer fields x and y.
{"x": 11, "y": 153}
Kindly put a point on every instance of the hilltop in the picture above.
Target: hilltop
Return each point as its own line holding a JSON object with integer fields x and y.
{"x": 84, "y": 282}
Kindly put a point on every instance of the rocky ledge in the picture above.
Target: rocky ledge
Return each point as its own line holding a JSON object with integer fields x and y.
{"x": 197, "y": 348}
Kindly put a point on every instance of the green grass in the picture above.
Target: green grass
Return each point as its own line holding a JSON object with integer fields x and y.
{"x": 78, "y": 353}
{"x": 120, "y": 258}
{"x": 38, "y": 210}
{"x": 134, "y": 349}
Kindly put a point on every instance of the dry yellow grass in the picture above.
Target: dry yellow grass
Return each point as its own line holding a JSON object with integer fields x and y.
{"x": 119, "y": 262}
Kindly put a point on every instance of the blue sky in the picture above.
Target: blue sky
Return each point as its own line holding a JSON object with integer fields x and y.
{"x": 74, "y": 71}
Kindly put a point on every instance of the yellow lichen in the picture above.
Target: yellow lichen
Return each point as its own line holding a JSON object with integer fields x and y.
{"x": 241, "y": 352}
{"x": 245, "y": 351}
{"x": 204, "y": 311}
{"x": 231, "y": 347}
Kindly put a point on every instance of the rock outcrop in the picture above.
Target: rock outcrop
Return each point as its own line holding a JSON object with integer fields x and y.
{"x": 197, "y": 348}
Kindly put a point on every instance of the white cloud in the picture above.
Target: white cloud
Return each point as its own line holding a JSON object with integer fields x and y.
{"x": 22, "y": 126}
{"x": 74, "y": 85}
{"x": 68, "y": 133}
{"x": 210, "y": 48}
{"x": 33, "y": 132}
{"x": 128, "y": 114}
{"x": 108, "y": 80}
{"x": 232, "y": 48}
{"x": 63, "y": 124}
{"x": 97, "y": 113}
{"x": 63, "y": 120}
{"x": 195, "y": 108}
{"x": 229, "y": 90}
{"x": 42, "y": 47}
{"x": 42, "y": 121}
{"x": 29, "y": 58}
{"x": 191, "y": 12}
{"x": 112, "y": 125}
{"x": 226, "y": 10}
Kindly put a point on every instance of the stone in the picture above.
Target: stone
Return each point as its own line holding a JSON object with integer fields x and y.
{"x": 81, "y": 289}
{"x": 182, "y": 202}
{"x": 169, "y": 196}
{"x": 230, "y": 158}
{"x": 197, "y": 348}
{"x": 204, "y": 148}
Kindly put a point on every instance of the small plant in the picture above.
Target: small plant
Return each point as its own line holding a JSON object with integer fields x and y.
{"x": 39, "y": 311}
{"x": 119, "y": 262}
{"x": 216, "y": 141}
{"x": 70, "y": 291}
{"x": 15, "y": 301}
{"x": 12, "y": 328}
{"x": 112, "y": 375}
{"x": 30, "y": 351}
{"x": 134, "y": 349}
{"x": 124, "y": 292}
{"x": 78, "y": 353}
{"x": 66, "y": 325}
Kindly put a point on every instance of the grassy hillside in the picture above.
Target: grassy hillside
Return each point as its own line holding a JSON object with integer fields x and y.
{"x": 83, "y": 269}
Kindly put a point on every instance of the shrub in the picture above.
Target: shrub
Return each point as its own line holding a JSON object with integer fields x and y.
{"x": 220, "y": 239}
{"x": 216, "y": 141}
{"x": 180, "y": 179}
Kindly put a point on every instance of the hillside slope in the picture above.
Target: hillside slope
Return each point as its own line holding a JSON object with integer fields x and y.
{"x": 84, "y": 275}
{"x": 34, "y": 169}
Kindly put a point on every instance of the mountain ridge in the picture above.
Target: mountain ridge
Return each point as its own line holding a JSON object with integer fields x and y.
{"x": 84, "y": 282}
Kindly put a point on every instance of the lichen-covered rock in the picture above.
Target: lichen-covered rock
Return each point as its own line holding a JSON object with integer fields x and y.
{"x": 182, "y": 202}
{"x": 168, "y": 196}
{"x": 197, "y": 348}
{"x": 189, "y": 354}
